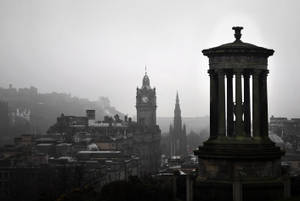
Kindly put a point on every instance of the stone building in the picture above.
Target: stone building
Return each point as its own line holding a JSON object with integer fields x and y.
{"x": 141, "y": 138}
{"x": 239, "y": 157}
{"x": 177, "y": 133}
{"x": 288, "y": 130}
{"x": 147, "y": 134}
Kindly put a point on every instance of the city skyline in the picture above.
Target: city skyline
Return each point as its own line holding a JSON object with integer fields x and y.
{"x": 92, "y": 49}
{"x": 155, "y": 100}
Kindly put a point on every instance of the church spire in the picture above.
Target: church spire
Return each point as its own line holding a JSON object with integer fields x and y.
{"x": 177, "y": 98}
{"x": 177, "y": 110}
{"x": 178, "y": 140}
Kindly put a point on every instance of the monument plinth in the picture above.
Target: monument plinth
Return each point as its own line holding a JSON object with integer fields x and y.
{"x": 238, "y": 148}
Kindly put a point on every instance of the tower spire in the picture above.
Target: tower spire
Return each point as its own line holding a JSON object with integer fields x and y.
{"x": 177, "y": 106}
{"x": 178, "y": 137}
{"x": 146, "y": 80}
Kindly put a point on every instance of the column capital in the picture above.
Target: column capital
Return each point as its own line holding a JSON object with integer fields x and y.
{"x": 212, "y": 72}
{"x": 264, "y": 73}
{"x": 220, "y": 72}
{"x": 238, "y": 71}
{"x": 229, "y": 74}
{"x": 256, "y": 72}
{"x": 246, "y": 74}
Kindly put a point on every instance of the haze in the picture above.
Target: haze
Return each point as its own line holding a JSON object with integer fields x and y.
{"x": 99, "y": 48}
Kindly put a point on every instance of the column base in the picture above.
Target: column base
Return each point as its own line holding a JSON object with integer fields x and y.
{"x": 244, "y": 158}
{"x": 247, "y": 191}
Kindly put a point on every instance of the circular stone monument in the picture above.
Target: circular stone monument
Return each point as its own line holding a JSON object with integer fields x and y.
{"x": 238, "y": 148}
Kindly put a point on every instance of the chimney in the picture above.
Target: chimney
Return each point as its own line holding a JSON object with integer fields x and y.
{"x": 91, "y": 116}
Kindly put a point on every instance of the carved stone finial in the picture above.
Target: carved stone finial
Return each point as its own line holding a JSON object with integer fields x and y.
{"x": 237, "y": 32}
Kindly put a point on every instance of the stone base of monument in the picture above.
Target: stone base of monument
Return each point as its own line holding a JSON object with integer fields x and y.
{"x": 249, "y": 191}
{"x": 241, "y": 167}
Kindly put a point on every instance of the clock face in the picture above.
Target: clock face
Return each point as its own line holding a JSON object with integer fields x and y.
{"x": 145, "y": 99}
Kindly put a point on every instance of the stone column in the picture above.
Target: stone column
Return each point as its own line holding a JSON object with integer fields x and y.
{"x": 239, "y": 108}
{"x": 256, "y": 103}
{"x": 247, "y": 114}
{"x": 189, "y": 188}
{"x": 229, "y": 104}
{"x": 237, "y": 189}
{"x": 264, "y": 131}
{"x": 213, "y": 104}
{"x": 221, "y": 104}
{"x": 287, "y": 187}
{"x": 174, "y": 186}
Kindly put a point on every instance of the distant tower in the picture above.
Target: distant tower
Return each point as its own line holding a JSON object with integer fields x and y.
{"x": 146, "y": 104}
{"x": 178, "y": 135}
{"x": 147, "y": 136}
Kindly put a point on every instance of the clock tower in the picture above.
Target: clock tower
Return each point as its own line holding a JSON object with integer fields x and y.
{"x": 146, "y": 104}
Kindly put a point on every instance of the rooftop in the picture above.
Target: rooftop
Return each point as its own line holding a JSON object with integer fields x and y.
{"x": 238, "y": 47}
{"x": 100, "y": 152}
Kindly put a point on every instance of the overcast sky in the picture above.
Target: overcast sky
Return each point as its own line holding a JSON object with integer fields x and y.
{"x": 93, "y": 48}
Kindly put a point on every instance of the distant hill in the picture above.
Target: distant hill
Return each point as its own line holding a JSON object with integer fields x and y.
{"x": 192, "y": 123}
{"x": 41, "y": 110}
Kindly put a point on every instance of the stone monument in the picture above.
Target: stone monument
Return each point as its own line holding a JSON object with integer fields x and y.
{"x": 239, "y": 150}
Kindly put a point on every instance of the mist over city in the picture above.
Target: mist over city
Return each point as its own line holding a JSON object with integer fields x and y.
{"x": 100, "y": 48}
{"x": 149, "y": 100}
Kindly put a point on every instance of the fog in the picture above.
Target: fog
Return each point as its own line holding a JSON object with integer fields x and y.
{"x": 98, "y": 48}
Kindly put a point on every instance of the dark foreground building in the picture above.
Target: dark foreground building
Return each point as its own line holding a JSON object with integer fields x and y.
{"x": 239, "y": 160}
{"x": 79, "y": 153}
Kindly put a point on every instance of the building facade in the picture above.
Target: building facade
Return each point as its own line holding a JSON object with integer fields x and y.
{"x": 178, "y": 133}
{"x": 288, "y": 130}
{"x": 140, "y": 139}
